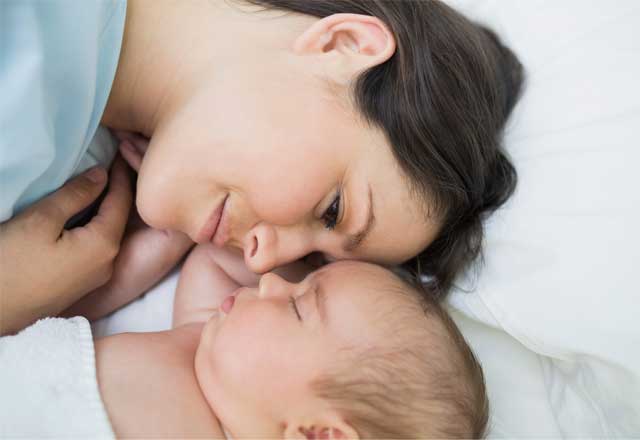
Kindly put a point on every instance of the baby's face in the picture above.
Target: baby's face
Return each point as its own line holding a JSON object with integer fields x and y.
{"x": 255, "y": 363}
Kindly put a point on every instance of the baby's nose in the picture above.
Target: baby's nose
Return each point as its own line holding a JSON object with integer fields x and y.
{"x": 274, "y": 286}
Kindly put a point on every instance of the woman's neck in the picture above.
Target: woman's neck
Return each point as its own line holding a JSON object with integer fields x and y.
{"x": 170, "y": 46}
{"x": 145, "y": 68}
{"x": 160, "y": 47}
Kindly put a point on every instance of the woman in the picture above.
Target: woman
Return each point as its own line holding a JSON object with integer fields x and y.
{"x": 353, "y": 129}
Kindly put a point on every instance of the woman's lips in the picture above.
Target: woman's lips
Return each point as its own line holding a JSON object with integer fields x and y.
{"x": 208, "y": 231}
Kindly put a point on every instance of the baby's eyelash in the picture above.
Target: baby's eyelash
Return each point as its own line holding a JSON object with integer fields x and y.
{"x": 294, "y": 306}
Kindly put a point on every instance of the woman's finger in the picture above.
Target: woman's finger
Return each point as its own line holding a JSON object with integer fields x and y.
{"x": 139, "y": 142}
{"x": 122, "y": 134}
{"x": 74, "y": 196}
{"x": 111, "y": 219}
{"x": 131, "y": 155}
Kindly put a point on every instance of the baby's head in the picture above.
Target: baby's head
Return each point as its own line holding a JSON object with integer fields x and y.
{"x": 351, "y": 351}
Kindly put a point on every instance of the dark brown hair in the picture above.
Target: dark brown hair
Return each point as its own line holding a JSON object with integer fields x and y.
{"x": 442, "y": 100}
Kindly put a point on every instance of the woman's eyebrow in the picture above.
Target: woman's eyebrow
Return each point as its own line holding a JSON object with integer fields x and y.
{"x": 352, "y": 241}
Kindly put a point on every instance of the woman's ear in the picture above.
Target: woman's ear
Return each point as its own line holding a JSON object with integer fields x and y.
{"x": 347, "y": 44}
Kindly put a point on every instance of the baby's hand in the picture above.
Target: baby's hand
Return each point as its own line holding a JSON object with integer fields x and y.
{"x": 146, "y": 256}
{"x": 208, "y": 276}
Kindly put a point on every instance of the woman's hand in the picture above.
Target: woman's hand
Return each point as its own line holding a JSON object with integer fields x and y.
{"x": 45, "y": 268}
{"x": 146, "y": 254}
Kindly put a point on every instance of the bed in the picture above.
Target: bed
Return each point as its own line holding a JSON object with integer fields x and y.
{"x": 552, "y": 313}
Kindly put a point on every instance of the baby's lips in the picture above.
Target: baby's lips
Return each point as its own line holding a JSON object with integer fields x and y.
{"x": 227, "y": 304}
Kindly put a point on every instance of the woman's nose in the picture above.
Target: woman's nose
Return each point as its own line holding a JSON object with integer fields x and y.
{"x": 268, "y": 246}
{"x": 274, "y": 286}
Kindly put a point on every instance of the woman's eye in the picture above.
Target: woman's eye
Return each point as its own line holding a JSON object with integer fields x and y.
{"x": 294, "y": 306}
{"x": 330, "y": 216}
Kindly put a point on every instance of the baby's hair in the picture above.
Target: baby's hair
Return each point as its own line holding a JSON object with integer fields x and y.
{"x": 423, "y": 382}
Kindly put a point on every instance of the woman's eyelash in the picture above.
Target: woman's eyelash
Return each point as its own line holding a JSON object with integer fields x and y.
{"x": 294, "y": 306}
{"x": 330, "y": 216}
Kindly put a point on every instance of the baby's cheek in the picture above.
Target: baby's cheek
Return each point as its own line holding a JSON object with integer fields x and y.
{"x": 219, "y": 394}
{"x": 245, "y": 351}
{"x": 230, "y": 353}
{"x": 256, "y": 355}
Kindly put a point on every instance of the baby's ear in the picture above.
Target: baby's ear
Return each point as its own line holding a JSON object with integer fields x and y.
{"x": 325, "y": 428}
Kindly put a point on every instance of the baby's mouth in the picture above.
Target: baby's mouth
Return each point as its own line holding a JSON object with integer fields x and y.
{"x": 227, "y": 304}
{"x": 229, "y": 301}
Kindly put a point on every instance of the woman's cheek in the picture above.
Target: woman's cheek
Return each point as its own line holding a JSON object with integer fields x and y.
{"x": 288, "y": 199}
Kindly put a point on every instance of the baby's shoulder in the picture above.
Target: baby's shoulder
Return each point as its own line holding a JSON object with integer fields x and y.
{"x": 149, "y": 386}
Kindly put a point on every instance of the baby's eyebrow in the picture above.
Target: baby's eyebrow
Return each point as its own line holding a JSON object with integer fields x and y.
{"x": 321, "y": 302}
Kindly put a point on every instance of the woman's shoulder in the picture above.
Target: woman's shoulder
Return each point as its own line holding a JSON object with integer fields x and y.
{"x": 58, "y": 65}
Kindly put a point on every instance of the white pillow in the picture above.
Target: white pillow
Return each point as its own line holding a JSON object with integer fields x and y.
{"x": 516, "y": 387}
{"x": 561, "y": 256}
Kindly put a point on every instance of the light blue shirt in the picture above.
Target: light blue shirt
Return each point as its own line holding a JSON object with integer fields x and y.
{"x": 58, "y": 59}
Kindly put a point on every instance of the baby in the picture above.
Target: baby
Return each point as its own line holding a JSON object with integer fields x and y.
{"x": 351, "y": 351}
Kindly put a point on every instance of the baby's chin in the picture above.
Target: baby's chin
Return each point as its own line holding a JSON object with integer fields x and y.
{"x": 209, "y": 331}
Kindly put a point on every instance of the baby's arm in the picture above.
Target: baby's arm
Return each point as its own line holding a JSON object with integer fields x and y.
{"x": 210, "y": 274}
{"x": 204, "y": 284}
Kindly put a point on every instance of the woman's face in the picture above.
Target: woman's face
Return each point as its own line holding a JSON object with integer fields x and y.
{"x": 284, "y": 159}
{"x": 297, "y": 171}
